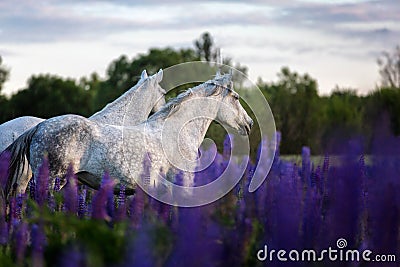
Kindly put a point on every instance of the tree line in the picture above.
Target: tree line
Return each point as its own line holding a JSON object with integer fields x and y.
{"x": 301, "y": 114}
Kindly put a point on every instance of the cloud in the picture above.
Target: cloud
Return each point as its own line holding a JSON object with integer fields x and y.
{"x": 257, "y": 32}
{"x": 56, "y": 20}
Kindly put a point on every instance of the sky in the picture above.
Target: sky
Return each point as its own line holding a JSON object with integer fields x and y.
{"x": 336, "y": 42}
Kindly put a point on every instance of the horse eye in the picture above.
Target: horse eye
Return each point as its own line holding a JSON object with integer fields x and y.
{"x": 236, "y": 96}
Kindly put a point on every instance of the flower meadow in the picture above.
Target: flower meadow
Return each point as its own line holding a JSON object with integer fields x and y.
{"x": 301, "y": 205}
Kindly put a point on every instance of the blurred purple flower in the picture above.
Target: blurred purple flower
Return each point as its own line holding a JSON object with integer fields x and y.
{"x": 4, "y": 164}
{"x": 70, "y": 191}
{"x": 228, "y": 144}
{"x": 73, "y": 257}
{"x": 196, "y": 243}
{"x": 32, "y": 188}
{"x": 99, "y": 204}
{"x": 57, "y": 184}
{"x": 121, "y": 204}
{"x": 305, "y": 164}
{"x": 42, "y": 183}
{"x": 82, "y": 207}
{"x": 137, "y": 207}
{"x": 140, "y": 252}
{"x": 20, "y": 238}
{"x": 4, "y": 229}
{"x": 38, "y": 240}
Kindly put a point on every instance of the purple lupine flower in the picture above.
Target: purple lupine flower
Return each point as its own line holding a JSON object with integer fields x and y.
{"x": 99, "y": 204}
{"x": 20, "y": 238}
{"x": 110, "y": 205}
{"x": 228, "y": 145}
{"x": 38, "y": 243}
{"x": 384, "y": 218}
{"x": 178, "y": 179}
{"x": 4, "y": 228}
{"x": 121, "y": 203}
{"x": 137, "y": 207}
{"x": 165, "y": 212}
{"x": 13, "y": 211}
{"x": 32, "y": 188}
{"x": 4, "y": 164}
{"x": 82, "y": 209}
{"x": 203, "y": 235}
{"x": 383, "y": 201}
{"x": 140, "y": 251}
{"x": 121, "y": 196}
{"x": 42, "y": 186}
{"x": 51, "y": 200}
{"x": 188, "y": 233}
{"x": 325, "y": 166}
{"x": 305, "y": 164}
{"x": 72, "y": 257}
{"x": 312, "y": 223}
{"x": 344, "y": 198}
{"x": 295, "y": 173}
{"x": 20, "y": 205}
{"x": 57, "y": 184}
{"x": 71, "y": 191}
{"x": 241, "y": 211}
{"x": 318, "y": 179}
{"x": 312, "y": 175}
{"x": 145, "y": 175}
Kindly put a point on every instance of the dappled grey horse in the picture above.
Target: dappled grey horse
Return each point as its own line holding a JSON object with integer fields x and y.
{"x": 145, "y": 96}
{"x": 11, "y": 130}
{"x": 176, "y": 130}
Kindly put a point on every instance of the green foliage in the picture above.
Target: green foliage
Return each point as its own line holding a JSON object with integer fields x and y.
{"x": 101, "y": 244}
{"x": 48, "y": 96}
{"x": 343, "y": 117}
{"x": 383, "y": 104}
{"x": 4, "y": 74}
{"x": 294, "y": 103}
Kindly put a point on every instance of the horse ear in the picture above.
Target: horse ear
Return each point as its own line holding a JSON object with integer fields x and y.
{"x": 159, "y": 76}
{"x": 144, "y": 75}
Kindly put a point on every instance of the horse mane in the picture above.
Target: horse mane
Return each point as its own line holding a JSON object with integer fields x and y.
{"x": 221, "y": 83}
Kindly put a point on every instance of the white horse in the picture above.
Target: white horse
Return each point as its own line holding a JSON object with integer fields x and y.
{"x": 111, "y": 114}
{"x": 145, "y": 96}
{"x": 93, "y": 148}
{"x": 10, "y": 130}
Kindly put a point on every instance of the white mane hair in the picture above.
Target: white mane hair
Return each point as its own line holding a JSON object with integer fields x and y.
{"x": 220, "y": 84}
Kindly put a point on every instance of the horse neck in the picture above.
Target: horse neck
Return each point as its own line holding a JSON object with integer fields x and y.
{"x": 190, "y": 123}
{"x": 120, "y": 111}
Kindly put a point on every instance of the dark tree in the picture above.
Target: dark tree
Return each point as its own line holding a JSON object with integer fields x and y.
{"x": 4, "y": 74}
{"x": 389, "y": 65}
{"x": 48, "y": 96}
{"x": 205, "y": 47}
